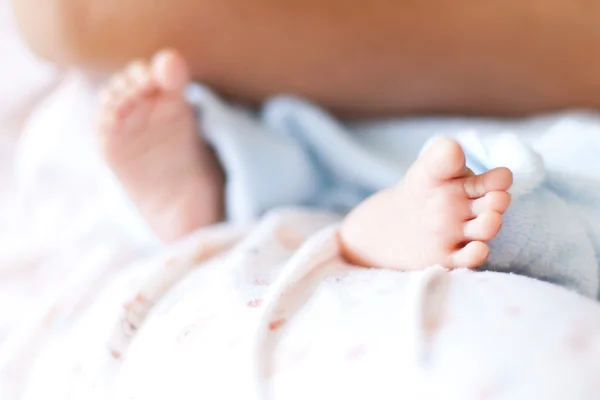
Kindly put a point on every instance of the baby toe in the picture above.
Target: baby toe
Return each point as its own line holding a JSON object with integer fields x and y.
{"x": 497, "y": 201}
{"x": 170, "y": 70}
{"x": 441, "y": 161}
{"x": 494, "y": 180}
{"x": 127, "y": 94}
{"x": 473, "y": 255}
{"x": 499, "y": 179}
{"x": 483, "y": 228}
{"x": 140, "y": 76}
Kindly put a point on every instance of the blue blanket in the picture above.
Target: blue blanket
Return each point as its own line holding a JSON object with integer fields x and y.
{"x": 293, "y": 153}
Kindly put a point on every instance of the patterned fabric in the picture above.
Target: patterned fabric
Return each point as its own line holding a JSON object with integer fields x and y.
{"x": 270, "y": 312}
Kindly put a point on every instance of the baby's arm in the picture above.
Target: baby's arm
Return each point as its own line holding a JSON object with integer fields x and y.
{"x": 353, "y": 56}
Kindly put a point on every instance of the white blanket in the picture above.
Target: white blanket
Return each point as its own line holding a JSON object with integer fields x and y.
{"x": 240, "y": 312}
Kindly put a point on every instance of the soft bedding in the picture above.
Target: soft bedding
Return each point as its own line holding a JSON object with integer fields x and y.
{"x": 295, "y": 153}
{"x": 269, "y": 311}
{"x": 94, "y": 307}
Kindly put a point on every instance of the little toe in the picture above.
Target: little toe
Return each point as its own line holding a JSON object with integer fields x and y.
{"x": 444, "y": 159}
{"x": 170, "y": 70}
{"x": 497, "y": 201}
{"x": 485, "y": 227}
{"x": 473, "y": 255}
{"x": 497, "y": 179}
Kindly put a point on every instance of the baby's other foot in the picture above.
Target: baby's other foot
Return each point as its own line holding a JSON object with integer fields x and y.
{"x": 440, "y": 214}
{"x": 151, "y": 142}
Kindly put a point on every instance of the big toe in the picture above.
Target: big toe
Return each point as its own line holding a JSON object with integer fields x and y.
{"x": 444, "y": 159}
{"x": 170, "y": 70}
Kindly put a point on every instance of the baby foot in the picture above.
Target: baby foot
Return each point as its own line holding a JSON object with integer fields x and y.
{"x": 440, "y": 214}
{"x": 151, "y": 142}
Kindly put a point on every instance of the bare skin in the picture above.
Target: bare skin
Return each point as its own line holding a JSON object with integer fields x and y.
{"x": 151, "y": 141}
{"x": 440, "y": 214}
{"x": 350, "y": 56}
